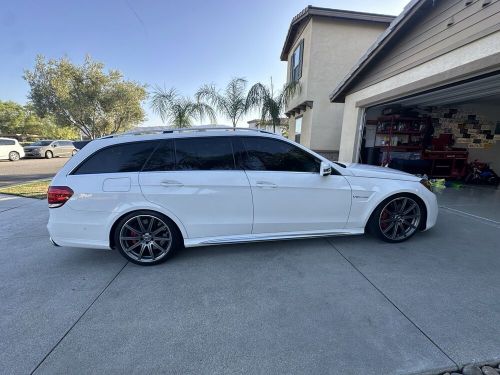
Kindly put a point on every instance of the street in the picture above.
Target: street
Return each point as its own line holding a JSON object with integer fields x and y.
{"x": 351, "y": 305}
{"x": 28, "y": 170}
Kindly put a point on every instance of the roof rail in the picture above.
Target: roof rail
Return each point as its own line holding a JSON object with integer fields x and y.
{"x": 147, "y": 131}
{"x": 212, "y": 128}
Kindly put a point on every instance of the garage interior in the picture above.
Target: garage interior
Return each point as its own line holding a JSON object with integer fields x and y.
{"x": 449, "y": 134}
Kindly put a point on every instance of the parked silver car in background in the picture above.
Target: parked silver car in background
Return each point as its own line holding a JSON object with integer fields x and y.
{"x": 50, "y": 148}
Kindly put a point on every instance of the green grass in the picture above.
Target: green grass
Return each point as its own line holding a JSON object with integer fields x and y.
{"x": 33, "y": 189}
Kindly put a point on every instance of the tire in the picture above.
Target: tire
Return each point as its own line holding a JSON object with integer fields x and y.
{"x": 397, "y": 218}
{"x": 135, "y": 238}
{"x": 49, "y": 155}
{"x": 14, "y": 156}
{"x": 73, "y": 153}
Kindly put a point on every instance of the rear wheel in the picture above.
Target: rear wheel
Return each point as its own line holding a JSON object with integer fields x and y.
{"x": 14, "y": 156}
{"x": 397, "y": 218}
{"x": 49, "y": 155}
{"x": 146, "y": 238}
{"x": 73, "y": 153}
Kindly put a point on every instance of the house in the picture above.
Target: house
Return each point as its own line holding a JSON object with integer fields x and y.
{"x": 426, "y": 95}
{"x": 282, "y": 129}
{"x": 321, "y": 47}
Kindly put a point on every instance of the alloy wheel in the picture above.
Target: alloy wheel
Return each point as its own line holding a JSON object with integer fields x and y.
{"x": 145, "y": 238}
{"x": 14, "y": 156}
{"x": 400, "y": 218}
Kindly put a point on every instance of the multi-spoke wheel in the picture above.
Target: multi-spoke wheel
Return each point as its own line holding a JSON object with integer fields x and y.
{"x": 397, "y": 219}
{"x": 146, "y": 238}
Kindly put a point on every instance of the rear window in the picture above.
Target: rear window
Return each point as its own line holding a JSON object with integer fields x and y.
{"x": 126, "y": 157}
{"x": 7, "y": 142}
{"x": 204, "y": 154}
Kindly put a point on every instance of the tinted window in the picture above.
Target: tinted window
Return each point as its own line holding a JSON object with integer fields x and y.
{"x": 264, "y": 154}
{"x": 66, "y": 143}
{"x": 163, "y": 159}
{"x": 7, "y": 142}
{"x": 127, "y": 157}
{"x": 41, "y": 143}
{"x": 204, "y": 154}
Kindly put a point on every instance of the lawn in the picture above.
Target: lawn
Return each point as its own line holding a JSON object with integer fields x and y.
{"x": 33, "y": 189}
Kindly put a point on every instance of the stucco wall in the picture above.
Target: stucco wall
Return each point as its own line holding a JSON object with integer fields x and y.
{"x": 463, "y": 62}
{"x": 331, "y": 47}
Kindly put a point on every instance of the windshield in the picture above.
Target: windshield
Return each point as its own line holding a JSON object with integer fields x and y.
{"x": 41, "y": 143}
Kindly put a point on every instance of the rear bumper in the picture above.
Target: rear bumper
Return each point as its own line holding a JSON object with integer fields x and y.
{"x": 85, "y": 229}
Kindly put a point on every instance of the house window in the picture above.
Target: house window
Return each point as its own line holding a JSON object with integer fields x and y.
{"x": 298, "y": 128}
{"x": 296, "y": 62}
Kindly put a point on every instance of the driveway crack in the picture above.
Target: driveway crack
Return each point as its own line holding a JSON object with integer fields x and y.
{"x": 393, "y": 304}
{"x": 79, "y": 318}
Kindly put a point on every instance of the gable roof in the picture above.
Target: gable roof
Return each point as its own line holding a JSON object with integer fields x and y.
{"x": 410, "y": 10}
{"x": 311, "y": 11}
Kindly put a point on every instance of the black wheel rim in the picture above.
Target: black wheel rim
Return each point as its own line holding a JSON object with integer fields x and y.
{"x": 399, "y": 218}
{"x": 145, "y": 238}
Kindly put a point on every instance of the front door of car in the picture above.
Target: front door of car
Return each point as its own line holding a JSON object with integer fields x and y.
{"x": 196, "y": 180}
{"x": 289, "y": 194}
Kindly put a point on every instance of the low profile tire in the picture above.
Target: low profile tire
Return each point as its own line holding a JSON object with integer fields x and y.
{"x": 147, "y": 238}
{"x": 14, "y": 156}
{"x": 49, "y": 155}
{"x": 397, "y": 218}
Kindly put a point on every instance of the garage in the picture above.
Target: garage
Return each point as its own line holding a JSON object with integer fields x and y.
{"x": 450, "y": 133}
{"x": 425, "y": 99}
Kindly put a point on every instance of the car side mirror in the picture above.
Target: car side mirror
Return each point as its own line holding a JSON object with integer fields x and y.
{"x": 325, "y": 169}
{"x": 54, "y": 145}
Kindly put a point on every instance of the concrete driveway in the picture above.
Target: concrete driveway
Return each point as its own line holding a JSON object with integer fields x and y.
{"x": 28, "y": 170}
{"x": 323, "y": 306}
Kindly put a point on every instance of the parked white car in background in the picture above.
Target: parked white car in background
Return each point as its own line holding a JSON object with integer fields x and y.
{"x": 147, "y": 195}
{"x": 10, "y": 149}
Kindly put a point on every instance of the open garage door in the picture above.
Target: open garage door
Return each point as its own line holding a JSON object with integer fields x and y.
{"x": 451, "y": 135}
{"x": 438, "y": 133}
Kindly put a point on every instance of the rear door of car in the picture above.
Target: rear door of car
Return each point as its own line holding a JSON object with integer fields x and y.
{"x": 196, "y": 179}
{"x": 4, "y": 148}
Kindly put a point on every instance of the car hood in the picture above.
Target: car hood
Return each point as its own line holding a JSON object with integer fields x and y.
{"x": 363, "y": 170}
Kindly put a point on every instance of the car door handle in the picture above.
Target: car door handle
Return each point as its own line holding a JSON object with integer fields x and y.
{"x": 266, "y": 184}
{"x": 171, "y": 183}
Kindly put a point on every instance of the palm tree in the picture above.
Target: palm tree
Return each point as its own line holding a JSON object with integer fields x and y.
{"x": 178, "y": 110}
{"x": 231, "y": 102}
{"x": 271, "y": 106}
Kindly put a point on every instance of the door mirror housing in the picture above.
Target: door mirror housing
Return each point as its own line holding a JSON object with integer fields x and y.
{"x": 325, "y": 169}
{"x": 54, "y": 145}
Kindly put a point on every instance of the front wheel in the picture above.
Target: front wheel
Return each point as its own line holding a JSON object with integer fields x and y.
{"x": 146, "y": 238}
{"x": 49, "y": 155}
{"x": 14, "y": 156}
{"x": 397, "y": 218}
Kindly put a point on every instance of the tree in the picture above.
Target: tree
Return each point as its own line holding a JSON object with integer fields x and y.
{"x": 85, "y": 97}
{"x": 270, "y": 105}
{"x": 178, "y": 110}
{"x": 231, "y": 102}
{"x": 16, "y": 119}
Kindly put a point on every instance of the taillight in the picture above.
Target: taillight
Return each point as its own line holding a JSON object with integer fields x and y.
{"x": 58, "y": 195}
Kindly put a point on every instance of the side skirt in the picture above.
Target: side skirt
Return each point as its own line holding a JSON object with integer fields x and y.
{"x": 207, "y": 241}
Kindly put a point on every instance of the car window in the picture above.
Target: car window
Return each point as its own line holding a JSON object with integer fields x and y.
{"x": 7, "y": 142}
{"x": 210, "y": 153}
{"x": 41, "y": 143}
{"x": 163, "y": 158}
{"x": 265, "y": 154}
{"x": 126, "y": 157}
{"x": 65, "y": 143}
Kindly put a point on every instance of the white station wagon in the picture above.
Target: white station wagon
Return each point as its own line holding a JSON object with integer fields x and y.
{"x": 148, "y": 195}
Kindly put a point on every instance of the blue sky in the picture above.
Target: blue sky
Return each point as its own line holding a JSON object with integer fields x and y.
{"x": 172, "y": 43}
